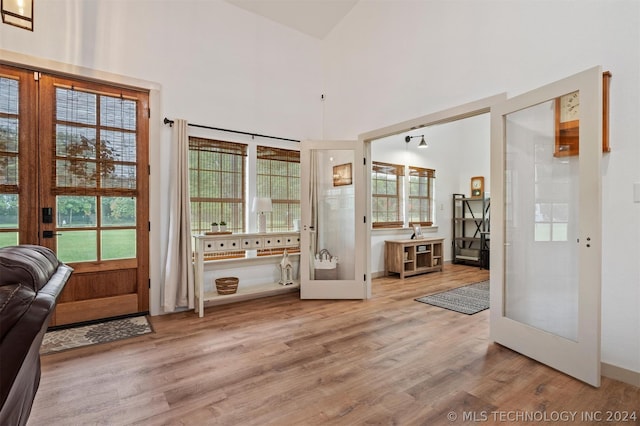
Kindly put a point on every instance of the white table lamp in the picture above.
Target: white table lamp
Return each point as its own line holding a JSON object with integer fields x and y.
{"x": 261, "y": 205}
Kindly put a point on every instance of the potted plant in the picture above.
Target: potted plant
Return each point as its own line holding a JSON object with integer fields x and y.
{"x": 214, "y": 226}
{"x": 223, "y": 226}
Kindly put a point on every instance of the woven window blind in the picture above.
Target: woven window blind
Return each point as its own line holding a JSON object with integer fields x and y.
{"x": 217, "y": 182}
{"x": 420, "y": 195}
{"x": 278, "y": 177}
{"x": 95, "y": 143}
{"x": 386, "y": 190}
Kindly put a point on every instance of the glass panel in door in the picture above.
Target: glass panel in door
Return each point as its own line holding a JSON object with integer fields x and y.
{"x": 18, "y": 191}
{"x": 9, "y": 198}
{"x": 332, "y": 225}
{"x": 541, "y": 253}
{"x": 546, "y": 148}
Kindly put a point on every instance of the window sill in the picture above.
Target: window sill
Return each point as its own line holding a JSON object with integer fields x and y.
{"x": 391, "y": 231}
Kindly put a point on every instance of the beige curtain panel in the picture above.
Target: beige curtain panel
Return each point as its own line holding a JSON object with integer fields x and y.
{"x": 178, "y": 273}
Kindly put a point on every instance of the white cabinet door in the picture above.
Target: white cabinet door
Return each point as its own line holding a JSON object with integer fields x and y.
{"x": 333, "y": 245}
{"x": 546, "y": 224}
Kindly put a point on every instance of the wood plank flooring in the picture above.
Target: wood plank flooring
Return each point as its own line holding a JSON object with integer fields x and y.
{"x": 284, "y": 361}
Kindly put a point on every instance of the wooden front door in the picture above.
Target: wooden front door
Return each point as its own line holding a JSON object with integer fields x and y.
{"x": 82, "y": 188}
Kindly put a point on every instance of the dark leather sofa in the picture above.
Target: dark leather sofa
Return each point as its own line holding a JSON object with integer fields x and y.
{"x": 31, "y": 279}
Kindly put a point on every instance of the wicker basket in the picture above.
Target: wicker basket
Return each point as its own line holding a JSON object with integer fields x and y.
{"x": 227, "y": 285}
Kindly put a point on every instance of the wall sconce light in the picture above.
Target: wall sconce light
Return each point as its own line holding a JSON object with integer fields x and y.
{"x": 18, "y": 13}
{"x": 422, "y": 144}
{"x": 261, "y": 205}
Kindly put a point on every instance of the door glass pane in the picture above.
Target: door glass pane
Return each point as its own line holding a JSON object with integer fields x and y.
{"x": 118, "y": 244}
{"x": 8, "y": 161}
{"x": 76, "y": 211}
{"x": 118, "y": 211}
{"x": 8, "y": 239}
{"x": 73, "y": 213}
{"x": 332, "y": 241}
{"x": 77, "y": 246}
{"x": 8, "y": 211}
{"x": 541, "y": 226}
{"x": 8, "y": 147}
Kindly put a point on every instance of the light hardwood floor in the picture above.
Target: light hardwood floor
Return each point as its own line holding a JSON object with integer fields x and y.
{"x": 283, "y": 361}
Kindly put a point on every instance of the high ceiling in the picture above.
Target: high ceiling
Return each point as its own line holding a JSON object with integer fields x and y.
{"x": 313, "y": 17}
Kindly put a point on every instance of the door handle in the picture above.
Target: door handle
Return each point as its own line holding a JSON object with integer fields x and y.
{"x": 49, "y": 234}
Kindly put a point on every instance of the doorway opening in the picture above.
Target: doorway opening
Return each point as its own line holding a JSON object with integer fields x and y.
{"x": 466, "y": 119}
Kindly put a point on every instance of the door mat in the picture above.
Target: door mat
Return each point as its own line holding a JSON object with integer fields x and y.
{"x": 469, "y": 299}
{"x": 103, "y": 332}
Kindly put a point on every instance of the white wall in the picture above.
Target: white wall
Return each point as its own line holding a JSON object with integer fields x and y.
{"x": 213, "y": 64}
{"x": 388, "y": 62}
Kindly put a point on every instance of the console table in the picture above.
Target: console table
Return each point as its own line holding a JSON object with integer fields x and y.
{"x": 412, "y": 257}
{"x": 226, "y": 250}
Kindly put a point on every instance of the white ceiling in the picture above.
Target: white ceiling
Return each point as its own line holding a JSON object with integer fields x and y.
{"x": 313, "y": 17}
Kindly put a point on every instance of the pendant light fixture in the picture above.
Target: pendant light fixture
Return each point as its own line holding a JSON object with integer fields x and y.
{"x": 18, "y": 13}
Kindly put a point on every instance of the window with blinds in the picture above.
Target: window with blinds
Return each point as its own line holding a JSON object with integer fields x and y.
{"x": 95, "y": 149}
{"x": 386, "y": 192}
{"x": 420, "y": 205}
{"x": 217, "y": 184}
{"x": 278, "y": 177}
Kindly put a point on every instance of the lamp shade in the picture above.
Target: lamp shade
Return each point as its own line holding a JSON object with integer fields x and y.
{"x": 261, "y": 204}
{"x": 18, "y": 13}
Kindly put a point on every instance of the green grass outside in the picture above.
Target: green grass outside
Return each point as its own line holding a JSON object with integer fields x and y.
{"x": 78, "y": 246}
{"x": 8, "y": 239}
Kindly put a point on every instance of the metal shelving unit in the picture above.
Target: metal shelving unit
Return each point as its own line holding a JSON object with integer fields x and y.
{"x": 470, "y": 230}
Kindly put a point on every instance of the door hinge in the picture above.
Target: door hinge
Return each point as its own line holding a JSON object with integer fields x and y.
{"x": 365, "y": 219}
{"x": 148, "y": 112}
{"x": 36, "y": 76}
{"x": 365, "y": 278}
{"x": 149, "y": 226}
{"x": 149, "y": 169}
{"x": 149, "y": 282}
{"x": 364, "y": 161}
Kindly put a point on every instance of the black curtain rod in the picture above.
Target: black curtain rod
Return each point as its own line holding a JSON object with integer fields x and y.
{"x": 170, "y": 123}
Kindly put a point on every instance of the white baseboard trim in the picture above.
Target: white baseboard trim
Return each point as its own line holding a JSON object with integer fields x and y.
{"x": 622, "y": 374}
{"x": 377, "y": 274}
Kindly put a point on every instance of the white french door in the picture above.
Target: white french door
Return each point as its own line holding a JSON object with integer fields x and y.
{"x": 546, "y": 149}
{"x": 333, "y": 228}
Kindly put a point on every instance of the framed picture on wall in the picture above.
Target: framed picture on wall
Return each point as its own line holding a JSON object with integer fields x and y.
{"x": 342, "y": 175}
